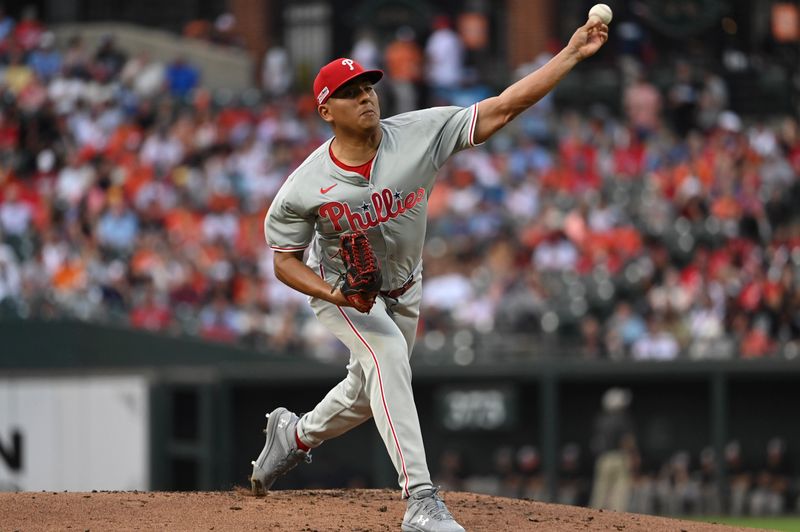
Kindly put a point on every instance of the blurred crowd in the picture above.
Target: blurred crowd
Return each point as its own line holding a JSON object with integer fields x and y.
{"x": 130, "y": 194}
{"x": 613, "y": 472}
{"x": 683, "y": 484}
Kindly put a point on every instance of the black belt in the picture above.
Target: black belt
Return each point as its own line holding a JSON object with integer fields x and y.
{"x": 396, "y": 293}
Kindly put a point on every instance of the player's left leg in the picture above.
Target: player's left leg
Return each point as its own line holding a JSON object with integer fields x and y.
{"x": 343, "y": 408}
{"x": 280, "y": 453}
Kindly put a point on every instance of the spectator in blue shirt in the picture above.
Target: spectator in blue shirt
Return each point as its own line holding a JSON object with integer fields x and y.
{"x": 118, "y": 227}
{"x": 46, "y": 61}
{"x": 182, "y": 77}
{"x": 6, "y": 24}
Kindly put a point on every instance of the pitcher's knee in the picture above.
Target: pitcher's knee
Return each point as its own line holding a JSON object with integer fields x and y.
{"x": 396, "y": 356}
{"x": 393, "y": 362}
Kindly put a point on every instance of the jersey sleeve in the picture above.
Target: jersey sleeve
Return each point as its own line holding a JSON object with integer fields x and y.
{"x": 454, "y": 130}
{"x": 287, "y": 227}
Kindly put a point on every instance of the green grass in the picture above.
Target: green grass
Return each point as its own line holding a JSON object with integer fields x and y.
{"x": 785, "y": 524}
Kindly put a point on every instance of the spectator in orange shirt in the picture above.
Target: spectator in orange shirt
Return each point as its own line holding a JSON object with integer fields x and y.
{"x": 404, "y": 60}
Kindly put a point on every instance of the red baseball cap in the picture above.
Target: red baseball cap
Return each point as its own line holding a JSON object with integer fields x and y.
{"x": 337, "y": 73}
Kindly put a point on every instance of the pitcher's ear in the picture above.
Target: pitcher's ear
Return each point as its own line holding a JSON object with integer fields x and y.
{"x": 325, "y": 112}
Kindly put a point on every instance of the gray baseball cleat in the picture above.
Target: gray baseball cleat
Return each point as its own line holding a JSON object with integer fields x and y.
{"x": 280, "y": 453}
{"x": 427, "y": 513}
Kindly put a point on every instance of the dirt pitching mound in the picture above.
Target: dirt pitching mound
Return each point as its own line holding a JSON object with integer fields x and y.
{"x": 303, "y": 511}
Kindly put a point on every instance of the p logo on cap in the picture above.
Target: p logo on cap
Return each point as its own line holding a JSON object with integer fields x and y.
{"x": 337, "y": 73}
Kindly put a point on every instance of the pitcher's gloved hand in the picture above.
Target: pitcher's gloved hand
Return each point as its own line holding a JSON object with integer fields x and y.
{"x": 362, "y": 276}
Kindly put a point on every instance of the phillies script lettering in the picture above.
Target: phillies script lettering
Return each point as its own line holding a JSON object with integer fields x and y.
{"x": 385, "y": 205}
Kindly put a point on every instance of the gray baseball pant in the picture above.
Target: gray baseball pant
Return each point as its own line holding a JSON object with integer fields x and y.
{"x": 378, "y": 382}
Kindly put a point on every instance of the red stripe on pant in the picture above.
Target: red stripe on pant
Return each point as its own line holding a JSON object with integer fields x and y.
{"x": 383, "y": 396}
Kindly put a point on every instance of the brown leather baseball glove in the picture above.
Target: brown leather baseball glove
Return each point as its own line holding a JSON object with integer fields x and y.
{"x": 362, "y": 276}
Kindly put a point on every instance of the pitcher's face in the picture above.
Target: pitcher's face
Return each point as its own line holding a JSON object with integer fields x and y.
{"x": 354, "y": 105}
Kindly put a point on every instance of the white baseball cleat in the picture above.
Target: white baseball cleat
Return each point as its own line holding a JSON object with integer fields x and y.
{"x": 427, "y": 513}
{"x": 280, "y": 453}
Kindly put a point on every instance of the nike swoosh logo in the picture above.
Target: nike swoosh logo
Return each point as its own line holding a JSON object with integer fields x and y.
{"x": 326, "y": 190}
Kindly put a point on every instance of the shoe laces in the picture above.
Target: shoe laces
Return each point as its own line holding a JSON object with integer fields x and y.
{"x": 434, "y": 506}
{"x": 294, "y": 457}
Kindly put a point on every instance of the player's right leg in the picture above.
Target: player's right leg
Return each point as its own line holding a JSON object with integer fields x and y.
{"x": 280, "y": 453}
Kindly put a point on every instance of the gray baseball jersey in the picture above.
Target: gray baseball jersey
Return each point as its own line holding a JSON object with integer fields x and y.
{"x": 320, "y": 201}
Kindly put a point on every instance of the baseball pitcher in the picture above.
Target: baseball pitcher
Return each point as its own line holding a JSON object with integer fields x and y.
{"x": 358, "y": 205}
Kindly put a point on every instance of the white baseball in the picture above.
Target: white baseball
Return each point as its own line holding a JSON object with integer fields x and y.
{"x": 601, "y": 11}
